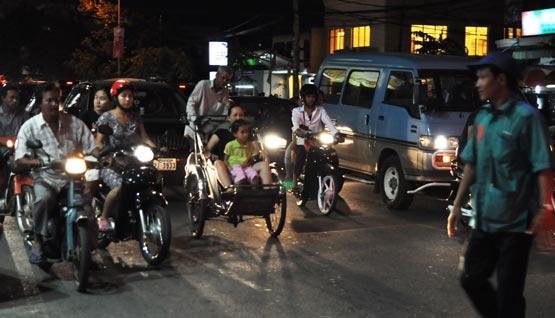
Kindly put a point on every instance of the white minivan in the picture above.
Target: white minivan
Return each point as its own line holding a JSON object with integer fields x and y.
{"x": 401, "y": 114}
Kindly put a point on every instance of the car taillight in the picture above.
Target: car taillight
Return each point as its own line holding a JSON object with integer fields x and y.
{"x": 441, "y": 160}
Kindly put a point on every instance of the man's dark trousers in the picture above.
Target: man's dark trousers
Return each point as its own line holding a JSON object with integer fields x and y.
{"x": 507, "y": 253}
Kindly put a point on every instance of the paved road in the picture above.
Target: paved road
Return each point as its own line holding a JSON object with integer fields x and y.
{"x": 363, "y": 261}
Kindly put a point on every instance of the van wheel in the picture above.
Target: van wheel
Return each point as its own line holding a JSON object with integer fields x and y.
{"x": 393, "y": 185}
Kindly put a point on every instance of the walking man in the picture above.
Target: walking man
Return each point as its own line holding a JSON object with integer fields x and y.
{"x": 508, "y": 170}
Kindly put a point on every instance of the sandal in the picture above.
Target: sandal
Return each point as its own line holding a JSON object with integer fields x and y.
{"x": 104, "y": 225}
{"x": 36, "y": 257}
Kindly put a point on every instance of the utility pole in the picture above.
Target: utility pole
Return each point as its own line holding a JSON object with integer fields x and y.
{"x": 295, "y": 48}
{"x": 119, "y": 26}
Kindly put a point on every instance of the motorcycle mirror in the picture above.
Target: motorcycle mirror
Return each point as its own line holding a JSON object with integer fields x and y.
{"x": 105, "y": 150}
{"x": 33, "y": 143}
{"x": 105, "y": 130}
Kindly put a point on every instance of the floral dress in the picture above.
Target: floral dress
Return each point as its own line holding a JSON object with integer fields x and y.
{"x": 124, "y": 134}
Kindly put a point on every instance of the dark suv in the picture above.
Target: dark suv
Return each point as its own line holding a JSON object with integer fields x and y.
{"x": 161, "y": 107}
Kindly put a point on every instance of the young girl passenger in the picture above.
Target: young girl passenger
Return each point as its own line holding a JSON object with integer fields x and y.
{"x": 239, "y": 153}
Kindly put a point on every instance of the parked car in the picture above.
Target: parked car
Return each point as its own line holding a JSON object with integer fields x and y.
{"x": 402, "y": 115}
{"x": 272, "y": 116}
{"x": 161, "y": 107}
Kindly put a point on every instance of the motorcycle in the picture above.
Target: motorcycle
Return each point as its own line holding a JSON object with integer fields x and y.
{"x": 70, "y": 231}
{"x": 321, "y": 168}
{"x": 466, "y": 209}
{"x": 17, "y": 199}
{"x": 141, "y": 213}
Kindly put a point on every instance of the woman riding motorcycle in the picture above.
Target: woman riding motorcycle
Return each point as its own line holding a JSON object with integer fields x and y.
{"x": 127, "y": 129}
{"x": 309, "y": 116}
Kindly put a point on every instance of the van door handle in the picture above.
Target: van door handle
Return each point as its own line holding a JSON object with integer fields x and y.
{"x": 381, "y": 118}
{"x": 366, "y": 118}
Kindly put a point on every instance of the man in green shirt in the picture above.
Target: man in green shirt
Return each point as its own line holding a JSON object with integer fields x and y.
{"x": 508, "y": 171}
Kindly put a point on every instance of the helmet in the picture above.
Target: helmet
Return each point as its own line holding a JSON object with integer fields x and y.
{"x": 119, "y": 86}
{"x": 309, "y": 89}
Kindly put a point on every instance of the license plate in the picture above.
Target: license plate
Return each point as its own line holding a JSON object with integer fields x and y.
{"x": 165, "y": 164}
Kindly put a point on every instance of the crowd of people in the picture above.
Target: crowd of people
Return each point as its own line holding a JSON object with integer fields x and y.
{"x": 507, "y": 152}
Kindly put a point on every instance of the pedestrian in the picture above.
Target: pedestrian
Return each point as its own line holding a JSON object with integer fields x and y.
{"x": 102, "y": 103}
{"x": 210, "y": 97}
{"x": 508, "y": 169}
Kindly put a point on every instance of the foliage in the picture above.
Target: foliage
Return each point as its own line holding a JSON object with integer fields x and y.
{"x": 171, "y": 65}
{"x": 433, "y": 46}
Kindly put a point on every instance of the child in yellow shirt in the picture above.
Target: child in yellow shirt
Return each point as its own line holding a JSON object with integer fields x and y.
{"x": 239, "y": 153}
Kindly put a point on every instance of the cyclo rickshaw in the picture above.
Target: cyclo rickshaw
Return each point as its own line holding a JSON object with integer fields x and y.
{"x": 205, "y": 196}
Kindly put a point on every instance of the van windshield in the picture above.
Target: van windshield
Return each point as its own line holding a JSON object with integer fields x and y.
{"x": 448, "y": 90}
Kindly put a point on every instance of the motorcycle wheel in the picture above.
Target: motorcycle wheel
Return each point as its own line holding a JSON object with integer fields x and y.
{"x": 155, "y": 243}
{"x": 275, "y": 221}
{"x": 327, "y": 193}
{"x": 82, "y": 259}
{"x": 24, "y": 215}
{"x": 196, "y": 208}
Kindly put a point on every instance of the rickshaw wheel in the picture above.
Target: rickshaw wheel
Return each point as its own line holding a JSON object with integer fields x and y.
{"x": 196, "y": 208}
{"x": 275, "y": 221}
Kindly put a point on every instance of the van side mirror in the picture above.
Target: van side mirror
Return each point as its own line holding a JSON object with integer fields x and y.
{"x": 420, "y": 96}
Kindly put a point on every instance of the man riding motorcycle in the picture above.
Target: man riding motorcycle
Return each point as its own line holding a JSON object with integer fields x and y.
{"x": 60, "y": 134}
{"x": 12, "y": 116}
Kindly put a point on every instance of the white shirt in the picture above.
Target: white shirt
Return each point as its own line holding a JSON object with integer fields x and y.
{"x": 205, "y": 100}
{"x": 73, "y": 135}
{"x": 315, "y": 122}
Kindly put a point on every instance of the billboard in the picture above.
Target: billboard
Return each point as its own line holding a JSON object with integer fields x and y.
{"x": 217, "y": 52}
{"x": 538, "y": 22}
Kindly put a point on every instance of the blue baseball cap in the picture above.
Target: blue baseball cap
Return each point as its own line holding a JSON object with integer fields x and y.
{"x": 503, "y": 61}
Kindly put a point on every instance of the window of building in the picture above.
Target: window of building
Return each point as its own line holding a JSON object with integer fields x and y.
{"x": 476, "y": 40}
{"x": 337, "y": 40}
{"x": 513, "y": 32}
{"x": 331, "y": 84}
{"x": 436, "y": 31}
{"x": 360, "y": 87}
{"x": 360, "y": 36}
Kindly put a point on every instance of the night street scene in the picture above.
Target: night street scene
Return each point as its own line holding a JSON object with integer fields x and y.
{"x": 294, "y": 158}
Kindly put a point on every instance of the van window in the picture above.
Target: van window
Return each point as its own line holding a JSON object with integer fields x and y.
{"x": 400, "y": 89}
{"x": 331, "y": 84}
{"x": 449, "y": 90}
{"x": 360, "y": 88}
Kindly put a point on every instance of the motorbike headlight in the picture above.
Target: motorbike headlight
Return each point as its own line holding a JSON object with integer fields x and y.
{"x": 75, "y": 166}
{"x": 10, "y": 143}
{"x": 326, "y": 138}
{"x": 143, "y": 153}
{"x": 272, "y": 141}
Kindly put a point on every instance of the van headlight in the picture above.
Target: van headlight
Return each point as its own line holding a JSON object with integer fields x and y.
{"x": 143, "y": 154}
{"x": 273, "y": 141}
{"x": 75, "y": 166}
{"x": 439, "y": 142}
{"x": 326, "y": 138}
